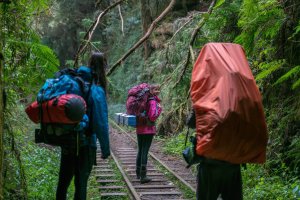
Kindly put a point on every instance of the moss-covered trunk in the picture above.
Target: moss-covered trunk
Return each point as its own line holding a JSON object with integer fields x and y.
{"x": 146, "y": 21}
{"x": 1, "y": 120}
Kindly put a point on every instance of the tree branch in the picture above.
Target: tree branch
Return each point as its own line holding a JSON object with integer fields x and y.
{"x": 168, "y": 44}
{"x": 193, "y": 38}
{"x": 122, "y": 21}
{"x": 144, "y": 38}
{"x": 89, "y": 34}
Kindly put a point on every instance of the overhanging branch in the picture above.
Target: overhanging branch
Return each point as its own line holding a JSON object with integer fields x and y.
{"x": 144, "y": 38}
{"x": 193, "y": 38}
{"x": 89, "y": 34}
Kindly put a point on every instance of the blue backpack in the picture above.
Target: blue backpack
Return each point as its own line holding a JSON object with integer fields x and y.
{"x": 61, "y": 109}
{"x": 66, "y": 81}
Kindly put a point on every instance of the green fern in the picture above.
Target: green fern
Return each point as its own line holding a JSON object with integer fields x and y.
{"x": 269, "y": 68}
{"x": 32, "y": 63}
{"x": 294, "y": 70}
{"x": 35, "y": 5}
{"x": 219, "y": 3}
{"x": 296, "y": 84}
{"x": 248, "y": 23}
{"x": 260, "y": 21}
{"x": 43, "y": 55}
{"x": 297, "y": 28}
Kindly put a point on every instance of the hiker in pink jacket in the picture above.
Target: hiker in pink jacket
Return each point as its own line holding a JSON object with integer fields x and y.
{"x": 145, "y": 131}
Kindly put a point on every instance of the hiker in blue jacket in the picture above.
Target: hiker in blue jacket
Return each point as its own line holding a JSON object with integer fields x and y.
{"x": 78, "y": 161}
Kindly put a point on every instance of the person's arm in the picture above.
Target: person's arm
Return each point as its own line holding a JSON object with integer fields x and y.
{"x": 154, "y": 110}
{"x": 100, "y": 120}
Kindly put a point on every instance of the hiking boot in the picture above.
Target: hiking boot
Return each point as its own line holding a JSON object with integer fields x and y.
{"x": 144, "y": 178}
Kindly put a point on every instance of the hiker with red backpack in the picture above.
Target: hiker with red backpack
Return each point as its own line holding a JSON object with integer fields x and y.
{"x": 78, "y": 162}
{"x": 230, "y": 123}
{"x": 143, "y": 102}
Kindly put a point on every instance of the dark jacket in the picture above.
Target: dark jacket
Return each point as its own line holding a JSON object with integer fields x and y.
{"x": 98, "y": 115}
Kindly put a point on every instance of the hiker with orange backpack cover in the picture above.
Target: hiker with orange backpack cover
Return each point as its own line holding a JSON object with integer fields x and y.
{"x": 230, "y": 123}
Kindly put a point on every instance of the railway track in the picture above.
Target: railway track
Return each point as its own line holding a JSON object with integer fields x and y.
{"x": 117, "y": 178}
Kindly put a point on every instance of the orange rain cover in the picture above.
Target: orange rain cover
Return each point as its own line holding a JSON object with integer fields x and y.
{"x": 230, "y": 121}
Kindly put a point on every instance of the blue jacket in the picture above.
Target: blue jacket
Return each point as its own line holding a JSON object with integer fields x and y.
{"x": 98, "y": 115}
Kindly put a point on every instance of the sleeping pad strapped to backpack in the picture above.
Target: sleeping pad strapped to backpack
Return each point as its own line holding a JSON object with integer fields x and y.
{"x": 230, "y": 121}
{"x": 59, "y": 108}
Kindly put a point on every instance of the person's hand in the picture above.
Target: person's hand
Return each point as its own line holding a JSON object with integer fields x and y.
{"x": 83, "y": 124}
{"x": 143, "y": 114}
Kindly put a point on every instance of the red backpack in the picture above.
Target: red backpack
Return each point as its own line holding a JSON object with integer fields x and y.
{"x": 59, "y": 108}
{"x": 137, "y": 99}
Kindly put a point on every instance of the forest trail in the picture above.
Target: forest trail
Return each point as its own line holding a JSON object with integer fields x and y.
{"x": 163, "y": 186}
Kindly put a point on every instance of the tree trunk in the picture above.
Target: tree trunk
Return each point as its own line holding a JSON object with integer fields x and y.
{"x": 146, "y": 22}
{"x": 1, "y": 121}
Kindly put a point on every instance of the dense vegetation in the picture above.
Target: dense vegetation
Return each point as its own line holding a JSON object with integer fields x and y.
{"x": 37, "y": 35}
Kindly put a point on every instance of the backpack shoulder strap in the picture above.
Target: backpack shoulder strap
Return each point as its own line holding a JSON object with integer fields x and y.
{"x": 151, "y": 98}
{"x": 66, "y": 71}
{"x": 186, "y": 136}
{"x": 191, "y": 119}
{"x": 89, "y": 111}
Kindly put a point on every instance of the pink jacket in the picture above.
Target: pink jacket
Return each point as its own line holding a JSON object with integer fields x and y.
{"x": 153, "y": 112}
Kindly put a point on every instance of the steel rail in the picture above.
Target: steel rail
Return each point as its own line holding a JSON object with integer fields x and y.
{"x": 158, "y": 160}
{"x": 128, "y": 183}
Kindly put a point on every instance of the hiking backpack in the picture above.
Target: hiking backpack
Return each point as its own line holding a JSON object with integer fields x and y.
{"x": 59, "y": 108}
{"x": 137, "y": 99}
{"x": 230, "y": 121}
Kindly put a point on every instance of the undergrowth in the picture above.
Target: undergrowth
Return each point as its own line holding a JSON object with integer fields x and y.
{"x": 39, "y": 162}
{"x": 259, "y": 182}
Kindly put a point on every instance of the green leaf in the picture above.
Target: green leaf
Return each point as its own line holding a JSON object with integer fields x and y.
{"x": 298, "y": 28}
{"x": 287, "y": 75}
{"x": 296, "y": 84}
{"x": 43, "y": 54}
{"x": 219, "y": 3}
{"x": 269, "y": 68}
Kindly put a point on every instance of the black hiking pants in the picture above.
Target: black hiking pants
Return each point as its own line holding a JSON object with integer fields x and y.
{"x": 144, "y": 143}
{"x": 79, "y": 166}
{"x": 218, "y": 178}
